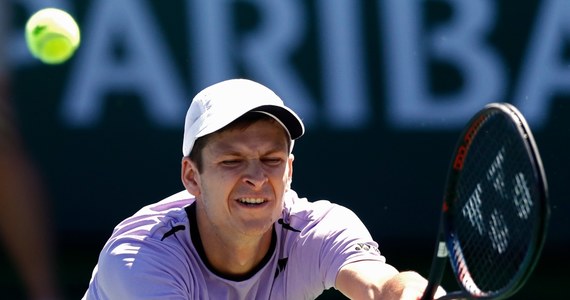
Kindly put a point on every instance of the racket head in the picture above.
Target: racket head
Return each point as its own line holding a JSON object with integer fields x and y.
{"x": 495, "y": 211}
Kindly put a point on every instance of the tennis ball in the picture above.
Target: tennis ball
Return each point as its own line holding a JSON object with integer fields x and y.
{"x": 52, "y": 35}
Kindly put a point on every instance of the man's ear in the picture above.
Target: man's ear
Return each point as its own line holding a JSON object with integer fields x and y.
{"x": 290, "y": 173}
{"x": 190, "y": 176}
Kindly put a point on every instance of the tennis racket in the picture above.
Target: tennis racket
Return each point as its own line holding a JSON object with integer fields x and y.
{"x": 495, "y": 209}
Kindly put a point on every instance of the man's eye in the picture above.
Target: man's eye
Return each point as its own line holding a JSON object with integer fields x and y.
{"x": 231, "y": 162}
{"x": 272, "y": 161}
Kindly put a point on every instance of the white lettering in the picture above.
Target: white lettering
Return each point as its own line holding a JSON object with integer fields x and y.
{"x": 460, "y": 43}
{"x": 266, "y": 53}
{"x": 212, "y": 41}
{"x": 145, "y": 67}
{"x": 344, "y": 93}
{"x": 220, "y": 50}
{"x": 544, "y": 72}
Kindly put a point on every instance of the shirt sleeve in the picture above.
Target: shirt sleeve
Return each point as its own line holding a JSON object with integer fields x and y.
{"x": 335, "y": 237}
{"x": 137, "y": 269}
{"x": 349, "y": 241}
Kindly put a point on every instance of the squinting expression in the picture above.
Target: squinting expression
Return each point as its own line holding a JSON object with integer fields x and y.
{"x": 245, "y": 174}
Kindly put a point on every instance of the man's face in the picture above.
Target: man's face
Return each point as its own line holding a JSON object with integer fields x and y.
{"x": 245, "y": 173}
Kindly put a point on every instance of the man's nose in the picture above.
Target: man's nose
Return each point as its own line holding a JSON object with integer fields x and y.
{"x": 255, "y": 174}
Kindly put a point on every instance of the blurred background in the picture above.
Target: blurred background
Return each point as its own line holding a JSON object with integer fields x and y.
{"x": 384, "y": 88}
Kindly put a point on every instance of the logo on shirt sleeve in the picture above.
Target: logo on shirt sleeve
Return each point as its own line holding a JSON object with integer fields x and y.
{"x": 366, "y": 247}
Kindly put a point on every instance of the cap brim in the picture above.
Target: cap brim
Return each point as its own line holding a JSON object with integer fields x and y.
{"x": 286, "y": 117}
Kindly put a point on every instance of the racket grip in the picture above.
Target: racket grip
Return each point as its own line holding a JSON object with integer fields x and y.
{"x": 436, "y": 273}
{"x": 438, "y": 264}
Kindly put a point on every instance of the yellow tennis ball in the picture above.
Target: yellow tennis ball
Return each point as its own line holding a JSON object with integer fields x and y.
{"x": 52, "y": 35}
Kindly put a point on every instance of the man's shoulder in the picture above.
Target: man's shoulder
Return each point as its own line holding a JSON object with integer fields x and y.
{"x": 295, "y": 205}
{"x": 174, "y": 201}
{"x": 305, "y": 213}
{"x": 155, "y": 219}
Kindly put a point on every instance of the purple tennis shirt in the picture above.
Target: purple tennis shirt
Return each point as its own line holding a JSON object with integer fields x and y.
{"x": 157, "y": 254}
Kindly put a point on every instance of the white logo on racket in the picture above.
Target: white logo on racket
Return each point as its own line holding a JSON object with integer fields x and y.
{"x": 496, "y": 175}
{"x": 522, "y": 199}
{"x": 497, "y": 228}
{"x": 472, "y": 209}
{"x": 498, "y": 232}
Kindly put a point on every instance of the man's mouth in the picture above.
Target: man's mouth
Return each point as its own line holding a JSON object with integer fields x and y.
{"x": 251, "y": 201}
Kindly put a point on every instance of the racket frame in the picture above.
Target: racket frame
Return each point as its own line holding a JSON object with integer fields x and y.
{"x": 446, "y": 242}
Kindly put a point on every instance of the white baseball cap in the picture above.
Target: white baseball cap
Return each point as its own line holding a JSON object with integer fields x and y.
{"x": 220, "y": 104}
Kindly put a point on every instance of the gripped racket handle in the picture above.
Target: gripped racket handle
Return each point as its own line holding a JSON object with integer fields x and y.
{"x": 438, "y": 264}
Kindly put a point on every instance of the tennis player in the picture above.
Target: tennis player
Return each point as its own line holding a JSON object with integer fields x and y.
{"x": 238, "y": 230}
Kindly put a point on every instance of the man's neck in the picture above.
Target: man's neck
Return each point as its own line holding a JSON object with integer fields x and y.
{"x": 236, "y": 259}
{"x": 233, "y": 257}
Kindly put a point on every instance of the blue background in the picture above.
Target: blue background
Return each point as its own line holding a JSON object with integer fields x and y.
{"x": 383, "y": 86}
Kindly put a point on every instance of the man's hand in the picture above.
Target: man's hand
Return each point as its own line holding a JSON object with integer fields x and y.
{"x": 407, "y": 286}
{"x": 376, "y": 280}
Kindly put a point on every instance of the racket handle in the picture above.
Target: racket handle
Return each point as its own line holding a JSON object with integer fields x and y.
{"x": 438, "y": 264}
{"x": 436, "y": 273}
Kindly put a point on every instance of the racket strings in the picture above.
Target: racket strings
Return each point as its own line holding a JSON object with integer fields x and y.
{"x": 494, "y": 208}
